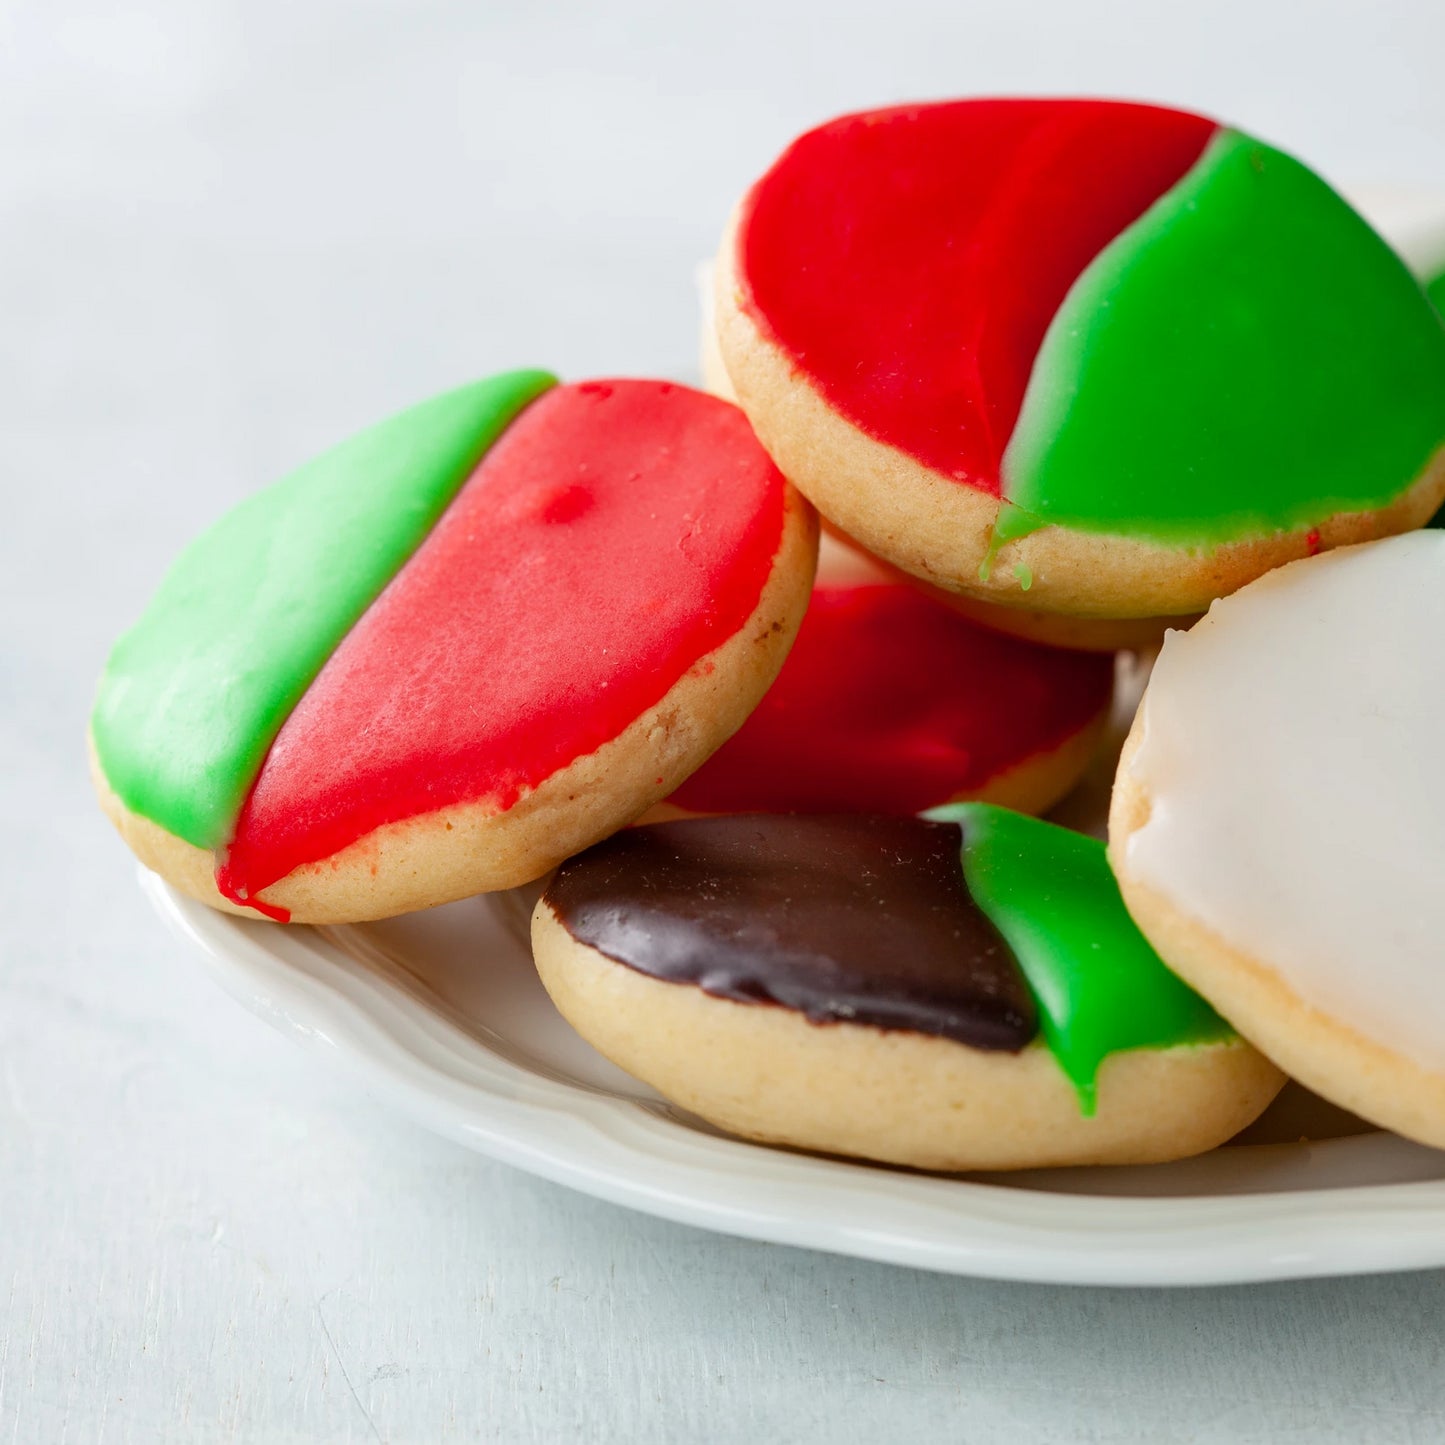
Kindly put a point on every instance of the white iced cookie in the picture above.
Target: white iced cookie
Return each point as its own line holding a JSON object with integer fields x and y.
{"x": 1278, "y": 822}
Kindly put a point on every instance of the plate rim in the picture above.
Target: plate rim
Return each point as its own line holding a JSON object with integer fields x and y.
{"x": 627, "y": 1152}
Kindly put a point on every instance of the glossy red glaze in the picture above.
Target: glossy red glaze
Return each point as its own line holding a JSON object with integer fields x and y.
{"x": 889, "y": 702}
{"x": 910, "y": 260}
{"x": 616, "y": 534}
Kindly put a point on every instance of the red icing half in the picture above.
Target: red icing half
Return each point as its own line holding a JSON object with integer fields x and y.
{"x": 616, "y": 534}
{"x": 891, "y": 703}
{"x": 910, "y": 260}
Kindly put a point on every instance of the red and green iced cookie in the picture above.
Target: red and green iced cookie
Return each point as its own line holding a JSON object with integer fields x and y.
{"x": 454, "y": 650}
{"x": 1084, "y": 358}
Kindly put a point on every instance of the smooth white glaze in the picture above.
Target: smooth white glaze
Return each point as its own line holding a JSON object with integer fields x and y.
{"x": 1294, "y": 751}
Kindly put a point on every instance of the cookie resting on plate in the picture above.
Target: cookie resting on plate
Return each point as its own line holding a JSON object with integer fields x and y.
{"x": 964, "y": 991}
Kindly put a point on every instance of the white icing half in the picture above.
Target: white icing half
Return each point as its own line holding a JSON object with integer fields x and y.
{"x": 1294, "y": 749}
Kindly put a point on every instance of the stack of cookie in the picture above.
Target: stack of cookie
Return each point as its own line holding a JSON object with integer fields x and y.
{"x": 1056, "y": 375}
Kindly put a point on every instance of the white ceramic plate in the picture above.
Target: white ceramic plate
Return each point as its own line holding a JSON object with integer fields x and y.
{"x": 442, "y": 1014}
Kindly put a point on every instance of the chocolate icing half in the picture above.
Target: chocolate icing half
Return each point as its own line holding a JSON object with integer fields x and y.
{"x": 858, "y": 917}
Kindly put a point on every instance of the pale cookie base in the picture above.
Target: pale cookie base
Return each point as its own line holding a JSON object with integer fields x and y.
{"x": 766, "y": 1073}
{"x": 1323, "y": 1053}
{"x": 470, "y": 847}
{"x": 939, "y": 530}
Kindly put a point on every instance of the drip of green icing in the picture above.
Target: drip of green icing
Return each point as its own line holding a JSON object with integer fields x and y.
{"x": 1100, "y": 987}
{"x": 193, "y": 695}
{"x": 1024, "y": 575}
{"x": 1248, "y": 356}
{"x": 1010, "y": 524}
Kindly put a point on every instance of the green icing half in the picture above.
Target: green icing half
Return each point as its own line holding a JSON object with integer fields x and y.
{"x": 193, "y": 695}
{"x": 1099, "y": 985}
{"x": 1248, "y": 357}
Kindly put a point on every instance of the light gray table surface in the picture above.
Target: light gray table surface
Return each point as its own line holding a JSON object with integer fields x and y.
{"x": 230, "y": 234}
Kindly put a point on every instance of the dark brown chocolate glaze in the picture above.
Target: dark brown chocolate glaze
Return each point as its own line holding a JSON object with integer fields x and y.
{"x": 857, "y": 917}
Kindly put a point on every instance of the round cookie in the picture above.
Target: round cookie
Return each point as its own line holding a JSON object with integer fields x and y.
{"x": 1085, "y": 358}
{"x": 454, "y": 650}
{"x": 891, "y": 703}
{"x": 959, "y": 992}
{"x": 1278, "y": 823}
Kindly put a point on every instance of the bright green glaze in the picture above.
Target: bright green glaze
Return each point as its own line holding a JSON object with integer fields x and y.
{"x": 1099, "y": 985}
{"x": 194, "y": 693}
{"x": 1249, "y": 356}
